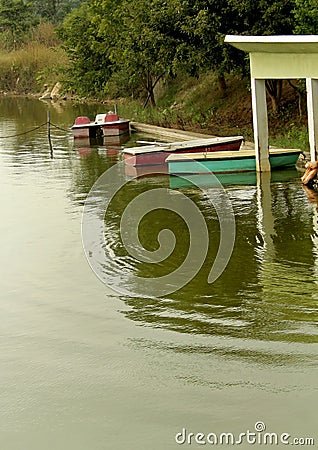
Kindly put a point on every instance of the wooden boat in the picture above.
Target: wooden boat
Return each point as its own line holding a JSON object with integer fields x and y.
{"x": 157, "y": 153}
{"x": 228, "y": 162}
{"x": 105, "y": 124}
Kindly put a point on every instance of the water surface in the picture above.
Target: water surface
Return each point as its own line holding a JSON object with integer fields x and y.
{"x": 83, "y": 367}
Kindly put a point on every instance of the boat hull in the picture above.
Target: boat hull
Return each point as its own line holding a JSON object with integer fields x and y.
{"x": 232, "y": 164}
{"x": 115, "y": 128}
{"x": 85, "y": 131}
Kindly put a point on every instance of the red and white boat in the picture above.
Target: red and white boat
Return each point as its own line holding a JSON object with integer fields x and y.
{"x": 105, "y": 124}
{"x": 157, "y": 153}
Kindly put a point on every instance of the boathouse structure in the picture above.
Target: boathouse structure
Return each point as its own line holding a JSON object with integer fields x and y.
{"x": 280, "y": 57}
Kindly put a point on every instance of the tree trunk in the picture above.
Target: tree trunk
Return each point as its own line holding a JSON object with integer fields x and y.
{"x": 222, "y": 83}
{"x": 301, "y": 93}
{"x": 274, "y": 89}
{"x": 150, "y": 86}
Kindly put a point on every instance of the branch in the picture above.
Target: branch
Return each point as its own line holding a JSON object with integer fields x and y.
{"x": 151, "y": 88}
{"x": 299, "y": 89}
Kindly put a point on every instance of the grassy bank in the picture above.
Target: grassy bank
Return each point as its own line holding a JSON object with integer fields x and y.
{"x": 28, "y": 69}
{"x": 39, "y": 60}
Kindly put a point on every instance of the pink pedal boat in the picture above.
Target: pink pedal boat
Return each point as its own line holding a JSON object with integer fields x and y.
{"x": 104, "y": 124}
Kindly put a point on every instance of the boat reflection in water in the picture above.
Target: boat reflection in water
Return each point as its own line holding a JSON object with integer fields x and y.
{"x": 228, "y": 179}
{"x": 110, "y": 145}
{"x": 145, "y": 171}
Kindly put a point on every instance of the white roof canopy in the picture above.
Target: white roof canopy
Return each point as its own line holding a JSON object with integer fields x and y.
{"x": 275, "y": 44}
{"x": 280, "y": 57}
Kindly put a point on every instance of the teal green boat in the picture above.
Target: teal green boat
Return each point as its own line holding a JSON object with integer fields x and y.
{"x": 228, "y": 162}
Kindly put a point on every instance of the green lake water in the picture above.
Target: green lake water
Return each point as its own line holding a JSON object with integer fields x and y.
{"x": 85, "y": 367}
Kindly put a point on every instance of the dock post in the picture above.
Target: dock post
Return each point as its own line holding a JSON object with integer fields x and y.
{"x": 260, "y": 125}
{"x": 312, "y": 108}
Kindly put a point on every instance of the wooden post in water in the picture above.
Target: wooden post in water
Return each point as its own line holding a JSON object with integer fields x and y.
{"x": 49, "y": 132}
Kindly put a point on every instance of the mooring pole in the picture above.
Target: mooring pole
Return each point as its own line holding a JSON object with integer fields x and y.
{"x": 49, "y": 132}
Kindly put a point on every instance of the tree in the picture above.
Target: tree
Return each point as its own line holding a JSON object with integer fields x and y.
{"x": 87, "y": 51}
{"x": 205, "y": 25}
{"x": 15, "y": 20}
{"x": 146, "y": 49}
{"x": 269, "y": 17}
{"x": 208, "y": 21}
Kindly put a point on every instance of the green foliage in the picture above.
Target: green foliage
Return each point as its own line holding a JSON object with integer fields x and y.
{"x": 146, "y": 51}
{"x": 142, "y": 41}
{"x": 30, "y": 53}
{"x": 306, "y": 16}
{"x": 88, "y": 52}
{"x": 294, "y": 136}
{"x": 54, "y": 10}
{"x": 266, "y": 17}
{"x": 15, "y": 20}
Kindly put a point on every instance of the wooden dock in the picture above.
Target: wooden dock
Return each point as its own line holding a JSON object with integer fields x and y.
{"x": 172, "y": 134}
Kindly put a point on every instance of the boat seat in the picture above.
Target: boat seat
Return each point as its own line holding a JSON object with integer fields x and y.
{"x": 82, "y": 120}
{"x": 111, "y": 117}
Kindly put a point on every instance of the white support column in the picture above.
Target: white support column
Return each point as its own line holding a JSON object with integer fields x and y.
{"x": 260, "y": 124}
{"x": 312, "y": 107}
